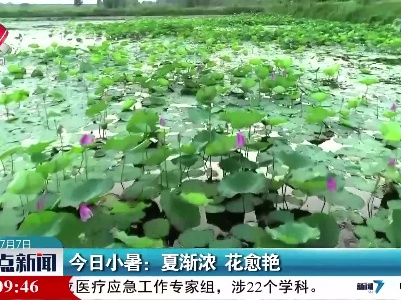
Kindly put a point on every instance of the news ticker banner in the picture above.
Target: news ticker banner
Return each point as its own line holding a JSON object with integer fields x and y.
{"x": 200, "y": 287}
{"x": 42, "y": 256}
{"x": 38, "y": 267}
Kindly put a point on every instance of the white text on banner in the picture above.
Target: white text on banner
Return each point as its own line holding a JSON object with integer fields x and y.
{"x": 31, "y": 262}
{"x": 233, "y": 288}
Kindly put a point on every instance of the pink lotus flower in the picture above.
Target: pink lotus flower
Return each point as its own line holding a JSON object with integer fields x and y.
{"x": 241, "y": 140}
{"x": 87, "y": 139}
{"x": 393, "y": 107}
{"x": 162, "y": 122}
{"x": 85, "y": 213}
{"x": 331, "y": 184}
{"x": 391, "y": 162}
{"x": 40, "y": 204}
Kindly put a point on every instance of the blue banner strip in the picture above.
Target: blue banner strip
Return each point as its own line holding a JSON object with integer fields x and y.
{"x": 31, "y": 242}
{"x": 231, "y": 262}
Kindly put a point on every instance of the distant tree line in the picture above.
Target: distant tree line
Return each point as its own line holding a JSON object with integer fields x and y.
{"x": 111, "y": 4}
{"x": 194, "y": 3}
{"x": 187, "y": 3}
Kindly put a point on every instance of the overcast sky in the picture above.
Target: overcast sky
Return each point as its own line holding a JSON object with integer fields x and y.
{"x": 49, "y": 1}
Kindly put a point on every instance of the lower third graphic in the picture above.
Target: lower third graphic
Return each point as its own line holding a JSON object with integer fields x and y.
{"x": 371, "y": 287}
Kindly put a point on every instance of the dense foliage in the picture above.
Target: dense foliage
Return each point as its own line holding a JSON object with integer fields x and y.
{"x": 206, "y": 132}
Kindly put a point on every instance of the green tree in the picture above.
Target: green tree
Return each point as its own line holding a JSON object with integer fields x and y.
{"x": 194, "y": 3}
{"x": 111, "y": 4}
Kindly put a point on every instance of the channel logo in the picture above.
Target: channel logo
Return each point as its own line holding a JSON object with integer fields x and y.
{"x": 371, "y": 287}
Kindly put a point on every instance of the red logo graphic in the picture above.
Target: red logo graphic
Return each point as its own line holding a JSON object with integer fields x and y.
{"x": 4, "y": 48}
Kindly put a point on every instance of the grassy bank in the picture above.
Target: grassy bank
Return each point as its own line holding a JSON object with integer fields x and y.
{"x": 69, "y": 11}
{"x": 350, "y": 11}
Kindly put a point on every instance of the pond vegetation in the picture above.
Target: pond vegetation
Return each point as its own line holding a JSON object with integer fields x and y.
{"x": 243, "y": 131}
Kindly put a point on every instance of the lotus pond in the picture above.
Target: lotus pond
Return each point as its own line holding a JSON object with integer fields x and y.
{"x": 242, "y": 131}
